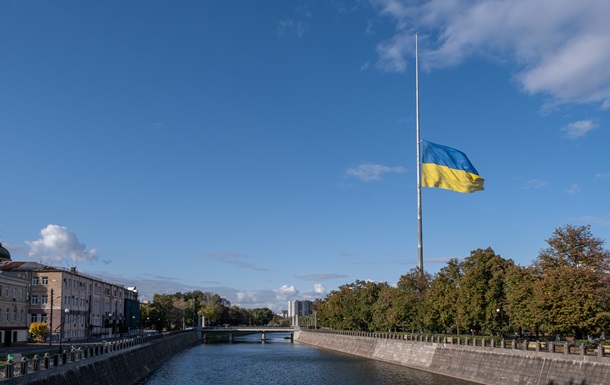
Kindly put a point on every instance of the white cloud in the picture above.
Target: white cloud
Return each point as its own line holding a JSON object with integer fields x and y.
{"x": 574, "y": 189}
{"x": 534, "y": 184}
{"x": 603, "y": 175}
{"x": 370, "y": 172}
{"x": 600, "y": 220}
{"x": 285, "y": 292}
{"x": 559, "y": 46}
{"x": 319, "y": 291}
{"x": 291, "y": 27}
{"x": 58, "y": 244}
{"x": 318, "y": 288}
{"x": 579, "y": 129}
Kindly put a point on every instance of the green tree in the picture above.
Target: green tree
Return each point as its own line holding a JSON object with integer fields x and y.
{"x": 571, "y": 283}
{"x": 387, "y": 310}
{"x": 413, "y": 288}
{"x": 521, "y": 306}
{"x": 481, "y": 291}
{"x": 441, "y": 299}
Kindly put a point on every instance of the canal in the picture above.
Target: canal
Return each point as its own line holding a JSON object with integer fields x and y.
{"x": 248, "y": 361}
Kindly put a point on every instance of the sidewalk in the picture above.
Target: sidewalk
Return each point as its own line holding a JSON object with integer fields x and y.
{"x": 33, "y": 348}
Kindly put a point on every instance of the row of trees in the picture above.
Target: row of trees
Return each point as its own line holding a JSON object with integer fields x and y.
{"x": 182, "y": 310}
{"x": 566, "y": 291}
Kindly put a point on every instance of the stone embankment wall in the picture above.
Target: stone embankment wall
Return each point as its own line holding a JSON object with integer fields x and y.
{"x": 485, "y": 365}
{"x": 123, "y": 367}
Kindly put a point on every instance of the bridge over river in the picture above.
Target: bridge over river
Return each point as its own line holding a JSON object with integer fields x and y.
{"x": 232, "y": 331}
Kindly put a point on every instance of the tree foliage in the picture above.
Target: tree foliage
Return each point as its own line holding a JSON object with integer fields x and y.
{"x": 38, "y": 330}
{"x": 565, "y": 291}
{"x": 182, "y": 310}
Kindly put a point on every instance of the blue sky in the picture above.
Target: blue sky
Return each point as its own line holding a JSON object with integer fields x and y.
{"x": 266, "y": 150}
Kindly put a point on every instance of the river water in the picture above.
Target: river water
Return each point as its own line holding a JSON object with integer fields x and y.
{"x": 278, "y": 361}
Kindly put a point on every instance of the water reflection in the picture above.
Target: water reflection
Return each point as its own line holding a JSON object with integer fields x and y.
{"x": 248, "y": 361}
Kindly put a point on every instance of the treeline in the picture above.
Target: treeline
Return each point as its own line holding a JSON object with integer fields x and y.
{"x": 181, "y": 310}
{"x": 566, "y": 291}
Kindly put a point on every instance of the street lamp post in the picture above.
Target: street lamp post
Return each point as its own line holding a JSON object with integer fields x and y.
{"x": 61, "y": 327}
{"x": 501, "y": 322}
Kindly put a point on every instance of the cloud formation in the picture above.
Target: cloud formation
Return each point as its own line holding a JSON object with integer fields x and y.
{"x": 370, "y": 172}
{"x": 562, "y": 55}
{"x": 535, "y": 184}
{"x": 320, "y": 277}
{"x": 573, "y": 189}
{"x": 234, "y": 259}
{"x": 579, "y": 129}
{"x": 58, "y": 244}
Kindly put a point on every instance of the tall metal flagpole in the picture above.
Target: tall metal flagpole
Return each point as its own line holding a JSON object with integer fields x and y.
{"x": 420, "y": 247}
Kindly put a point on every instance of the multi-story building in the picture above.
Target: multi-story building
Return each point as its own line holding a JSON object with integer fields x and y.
{"x": 299, "y": 308}
{"x": 74, "y": 306}
{"x": 13, "y": 306}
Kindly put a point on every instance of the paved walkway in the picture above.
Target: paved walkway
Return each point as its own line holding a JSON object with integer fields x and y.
{"x": 32, "y": 348}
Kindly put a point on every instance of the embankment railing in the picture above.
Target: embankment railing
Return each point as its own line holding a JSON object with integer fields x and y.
{"x": 552, "y": 347}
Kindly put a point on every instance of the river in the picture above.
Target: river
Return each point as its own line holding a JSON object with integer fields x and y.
{"x": 278, "y": 361}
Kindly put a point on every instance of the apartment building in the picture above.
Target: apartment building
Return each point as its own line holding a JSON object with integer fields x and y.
{"x": 13, "y": 309}
{"x": 75, "y": 306}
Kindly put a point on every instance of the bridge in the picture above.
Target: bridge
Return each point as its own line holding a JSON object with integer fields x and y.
{"x": 232, "y": 331}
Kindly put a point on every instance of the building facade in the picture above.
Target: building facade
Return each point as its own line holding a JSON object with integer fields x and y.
{"x": 13, "y": 309}
{"x": 74, "y": 306}
{"x": 299, "y": 308}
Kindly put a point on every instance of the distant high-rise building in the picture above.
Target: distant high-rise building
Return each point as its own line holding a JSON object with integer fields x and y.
{"x": 299, "y": 308}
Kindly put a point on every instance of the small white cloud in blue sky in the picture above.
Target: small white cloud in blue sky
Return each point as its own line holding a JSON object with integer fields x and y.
{"x": 291, "y": 28}
{"x": 285, "y": 292}
{"x": 579, "y": 129}
{"x": 58, "y": 244}
{"x": 535, "y": 184}
{"x": 370, "y": 172}
{"x": 573, "y": 189}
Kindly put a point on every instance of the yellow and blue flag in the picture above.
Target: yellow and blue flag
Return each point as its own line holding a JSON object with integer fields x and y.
{"x": 448, "y": 168}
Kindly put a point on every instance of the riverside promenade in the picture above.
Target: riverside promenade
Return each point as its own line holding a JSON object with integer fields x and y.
{"x": 477, "y": 360}
{"x": 119, "y": 362}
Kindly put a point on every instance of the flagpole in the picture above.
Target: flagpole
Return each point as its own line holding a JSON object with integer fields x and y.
{"x": 420, "y": 247}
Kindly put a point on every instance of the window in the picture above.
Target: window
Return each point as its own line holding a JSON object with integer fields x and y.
{"x": 44, "y": 300}
{"x": 14, "y": 293}
{"x": 34, "y": 280}
{"x": 45, "y": 280}
{"x": 34, "y": 300}
{"x": 43, "y": 318}
{"x": 8, "y": 315}
{"x": 8, "y": 291}
{"x": 22, "y": 316}
{"x": 33, "y": 318}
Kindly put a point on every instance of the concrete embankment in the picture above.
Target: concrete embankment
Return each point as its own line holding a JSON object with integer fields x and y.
{"x": 485, "y": 365}
{"x": 123, "y": 367}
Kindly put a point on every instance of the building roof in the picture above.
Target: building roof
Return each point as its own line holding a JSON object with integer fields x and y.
{"x": 25, "y": 266}
{"x": 4, "y": 254}
{"x": 12, "y": 276}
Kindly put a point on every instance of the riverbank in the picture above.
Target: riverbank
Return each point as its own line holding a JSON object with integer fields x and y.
{"x": 480, "y": 364}
{"x": 124, "y": 366}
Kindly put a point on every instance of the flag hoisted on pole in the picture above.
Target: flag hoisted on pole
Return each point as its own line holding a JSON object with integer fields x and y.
{"x": 442, "y": 167}
{"x": 448, "y": 168}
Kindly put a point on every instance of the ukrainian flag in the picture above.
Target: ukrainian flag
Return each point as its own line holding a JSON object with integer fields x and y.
{"x": 448, "y": 168}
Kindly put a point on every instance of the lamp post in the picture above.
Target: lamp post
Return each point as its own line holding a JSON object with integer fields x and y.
{"x": 499, "y": 311}
{"x": 111, "y": 323}
{"x": 61, "y": 331}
